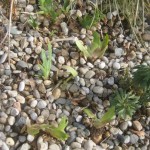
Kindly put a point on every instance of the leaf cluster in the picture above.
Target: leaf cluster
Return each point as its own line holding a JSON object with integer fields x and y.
{"x": 33, "y": 22}
{"x": 57, "y": 132}
{"x": 46, "y": 62}
{"x": 125, "y": 103}
{"x": 49, "y": 8}
{"x": 96, "y": 49}
{"x": 106, "y": 118}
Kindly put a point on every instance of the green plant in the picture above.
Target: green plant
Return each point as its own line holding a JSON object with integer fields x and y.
{"x": 97, "y": 48}
{"x": 33, "y": 22}
{"x": 106, "y": 118}
{"x": 57, "y": 132}
{"x": 89, "y": 20}
{"x": 46, "y": 62}
{"x": 49, "y": 8}
{"x": 68, "y": 5}
{"x": 125, "y": 103}
{"x": 141, "y": 77}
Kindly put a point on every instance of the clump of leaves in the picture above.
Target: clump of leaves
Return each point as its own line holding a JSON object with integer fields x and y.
{"x": 97, "y": 48}
{"x": 33, "y": 22}
{"x": 67, "y": 5}
{"x": 106, "y": 118}
{"x": 49, "y": 8}
{"x": 46, "y": 62}
{"x": 89, "y": 20}
{"x": 56, "y": 132}
{"x": 141, "y": 77}
{"x": 125, "y": 103}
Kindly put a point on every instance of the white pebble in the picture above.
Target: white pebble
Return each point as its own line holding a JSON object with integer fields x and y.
{"x": 116, "y": 65}
{"x": 79, "y": 118}
{"x": 21, "y": 86}
{"x": 10, "y": 141}
{"x": 30, "y": 138}
{"x": 61, "y": 59}
{"x": 102, "y": 65}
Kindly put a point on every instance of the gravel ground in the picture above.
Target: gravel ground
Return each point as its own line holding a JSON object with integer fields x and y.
{"x": 27, "y": 99}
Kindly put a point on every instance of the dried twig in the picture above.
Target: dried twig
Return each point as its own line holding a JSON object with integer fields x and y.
{"x": 65, "y": 39}
{"x": 9, "y": 28}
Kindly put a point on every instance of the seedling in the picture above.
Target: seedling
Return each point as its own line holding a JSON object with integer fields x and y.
{"x": 33, "y": 23}
{"x": 97, "y": 48}
{"x": 106, "y": 118}
{"x": 48, "y": 8}
{"x": 89, "y": 20}
{"x": 68, "y": 5}
{"x": 56, "y": 132}
{"x": 125, "y": 103}
{"x": 46, "y": 62}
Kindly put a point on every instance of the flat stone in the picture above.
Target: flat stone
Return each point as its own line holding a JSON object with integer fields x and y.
{"x": 137, "y": 125}
{"x": 41, "y": 104}
{"x": 22, "y": 64}
{"x": 98, "y": 90}
{"x": 89, "y": 74}
{"x": 134, "y": 138}
{"x": 88, "y": 145}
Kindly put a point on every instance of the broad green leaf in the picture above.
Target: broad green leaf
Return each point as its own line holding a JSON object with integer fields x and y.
{"x": 57, "y": 133}
{"x": 107, "y": 117}
{"x": 63, "y": 123}
{"x": 82, "y": 48}
{"x": 71, "y": 70}
{"x": 89, "y": 113}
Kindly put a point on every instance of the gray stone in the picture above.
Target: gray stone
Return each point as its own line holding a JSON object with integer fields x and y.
{"x": 21, "y": 86}
{"x": 98, "y": 89}
{"x": 88, "y": 145}
{"x": 116, "y": 65}
{"x": 2, "y": 136}
{"x": 22, "y": 139}
{"x": 3, "y": 58}
{"x": 12, "y": 93}
{"x": 74, "y": 88}
{"x": 89, "y": 74}
{"x": 134, "y": 138}
{"x": 64, "y": 28}
{"x": 33, "y": 116}
{"x": 3, "y": 146}
{"x": 124, "y": 126}
{"x": 119, "y": 52}
{"x": 61, "y": 59}
{"x": 24, "y": 146}
{"x": 29, "y": 8}
{"x": 126, "y": 139}
{"x": 83, "y": 70}
{"x": 14, "y": 112}
{"x": 111, "y": 81}
{"x": 22, "y": 64}
{"x": 41, "y": 104}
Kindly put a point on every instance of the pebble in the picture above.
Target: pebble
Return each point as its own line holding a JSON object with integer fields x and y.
{"x": 109, "y": 15}
{"x": 98, "y": 89}
{"x": 111, "y": 81}
{"x": 33, "y": 116}
{"x": 14, "y": 112}
{"x": 22, "y": 139}
{"x": 137, "y": 125}
{"x": 41, "y": 104}
{"x": 61, "y": 59}
{"x": 124, "y": 126}
{"x": 88, "y": 145}
{"x": 56, "y": 93}
{"x": 33, "y": 103}
{"x": 24, "y": 146}
{"x": 82, "y": 61}
{"x": 29, "y": 8}
{"x": 30, "y": 138}
{"x": 146, "y": 37}
{"x": 22, "y": 64}
{"x": 74, "y": 88}
{"x": 114, "y": 130}
{"x": 10, "y": 141}
{"x": 20, "y": 99}
{"x": 79, "y": 118}
{"x": 126, "y": 139}
{"x": 12, "y": 93}
{"x": 11, "y": 120}
{"x": 64, "y": 28}
{"x": 79, "y": 139}
{"x": 134, "y": 138}
{"x": 3, "y": 58}
{"x": 21, "y": 86}
{"x": 54, "y": 147}
{"x": 116, "y": 65}
{"x": 75, "y": 145}
{"x": 102, "y": 65}
{"x": 3, "y": 145}
{"x": 119, "y": 52}
{"x": 89, "y": 74}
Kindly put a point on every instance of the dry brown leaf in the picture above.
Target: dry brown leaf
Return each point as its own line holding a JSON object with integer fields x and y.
{"x": 138, "y": 133}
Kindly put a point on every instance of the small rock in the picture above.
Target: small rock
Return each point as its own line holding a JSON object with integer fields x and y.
{"x": 119, "y": 52}
{"x": 134, "y": 138}
{"x": 75, "y": 145}
{"x": 126, "y": 139}
{"x": 41, "y": 104}
{"x": 111, "y": 81}
{"x": 3, "y": 146}
{"x": 33, "y": 116}
{"x": 146, "y": 37}
{"x": 74, "y": 88}
{"x": 79, "y": 118}
{"x": 89, "y": 74}
{"x": 109, "y": 15}
{"x": 124, "y": 126}
{"x": 64, "y": 28}
{"x": 42, "y": 88}
{"x": 22, "y": 64}
{"x": 3, "y": 58}
{"x": 88, "y": 145}
{"x": 25, "y": 146}
{"x": 131, "y": 55}
{"x": 30, "y": 138}
{"x": 61, "y": 59}
{"x": 12, "y": 93}
{"x": 102, "y": 65}
{"x": 98, "y": 89}
{"x": 33, "y": 103}
{"x": 10, "y": 141}
{"x": 114, "y": 130}
{"x": 137, "y": 125}
{"x": 21, "y": 86}
{"x": 20, "y": 99}
{"x": 116, "y": 65}
{"x": 54, "y": 147}
{"x": 11, "y": 120}
{"x": 56, "y": 93}
{"x": 14, "y": 112}
{"x": 29, "y": 8}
